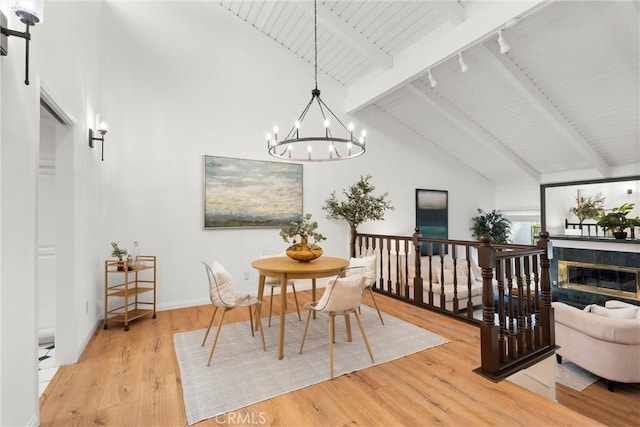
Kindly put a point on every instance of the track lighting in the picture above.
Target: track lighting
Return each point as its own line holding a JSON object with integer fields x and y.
{"x": 504, "y": 47}
{"x": 463, "y": 65}
{"x": 433, "y": 81}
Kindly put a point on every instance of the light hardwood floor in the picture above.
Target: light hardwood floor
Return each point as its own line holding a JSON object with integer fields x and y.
{"x": 132, "y": 378}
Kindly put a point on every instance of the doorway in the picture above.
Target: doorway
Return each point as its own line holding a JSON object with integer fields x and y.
{"x": 55, "y": 234}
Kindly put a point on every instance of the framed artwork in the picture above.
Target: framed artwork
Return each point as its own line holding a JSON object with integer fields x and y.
{"x": 432, "y": 216}
{"x": 251, "y": 193}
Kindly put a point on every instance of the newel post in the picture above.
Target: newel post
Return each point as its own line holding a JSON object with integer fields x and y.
{"x": 546, "y": 311}
{"x": 489, "y": 340}
{"x": 417, "y": 280}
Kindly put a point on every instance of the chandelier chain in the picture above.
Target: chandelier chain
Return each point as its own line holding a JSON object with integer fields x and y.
{"x": 315, "y": 39}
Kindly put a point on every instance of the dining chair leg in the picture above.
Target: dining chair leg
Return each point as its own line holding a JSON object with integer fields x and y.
{"x": 295, "y": 297}
{"x": 270, "y": 305}
{"x": 251, "y": 320}
{"x": 376, "y": 305}
{"x": 347, "y": 324}
{"x": 258, "y": 310}
{"x": 364, "y": 336}
{"x": 215, "y": 340}
{"x": 331, "y": 334}
{"x": 304, "y": 333}
{"x": 209, "y": 328}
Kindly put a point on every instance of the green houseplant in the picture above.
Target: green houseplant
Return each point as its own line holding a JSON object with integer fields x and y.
{"x": 118, "y": 252}
{"x": 492, "y": 223}
{"x": 588, "y": 207}
{"x": 303, "y": 229}
{"x": 616, "y": 220}
{"x": 360, "y": 206}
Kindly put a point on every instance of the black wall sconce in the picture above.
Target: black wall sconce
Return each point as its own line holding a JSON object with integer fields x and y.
{"x": 30, "y": 13}
{"x": 101, "y": 130}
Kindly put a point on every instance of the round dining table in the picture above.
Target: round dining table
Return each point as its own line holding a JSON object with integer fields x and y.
{"x": 284, "y": 269}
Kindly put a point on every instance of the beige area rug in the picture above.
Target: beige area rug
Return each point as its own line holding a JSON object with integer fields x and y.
{"x": 573, "y": 376}
{"x": 241, "y": 374}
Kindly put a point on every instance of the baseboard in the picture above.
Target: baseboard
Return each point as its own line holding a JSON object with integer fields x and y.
{"x": 86, "y": 338}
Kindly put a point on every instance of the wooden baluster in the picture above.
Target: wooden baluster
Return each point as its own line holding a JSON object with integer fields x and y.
{"x": 529, "y": 301}
{"x": 441, "y": 247}
{"x": 388, "y": 248}
{"x": 469, "y": 300}
{"x": 521, "y": 304}
{"x": 511, "y": 341}
{"x": 454, "y": 255}
{"x": 537, "y": 337}
{"x": 406, "y": 268}
{"x": 417, "y": 280}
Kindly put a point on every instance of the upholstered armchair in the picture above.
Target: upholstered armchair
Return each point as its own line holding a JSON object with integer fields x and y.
{"x": 603, "y": 340}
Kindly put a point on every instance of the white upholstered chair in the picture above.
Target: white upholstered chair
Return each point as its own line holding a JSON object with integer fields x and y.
{"x": 369, "y": 264}
{"x": 342, "y": 297}
{"x": 272, "y": 283}
{"x": 223, "y": 296}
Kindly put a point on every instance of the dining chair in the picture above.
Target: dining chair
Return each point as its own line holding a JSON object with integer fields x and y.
{"x": 273, "y": 283}
{"x": 223, "y": 296}
{"x": 342, "y": 297}
{"x": 369, "y": 264}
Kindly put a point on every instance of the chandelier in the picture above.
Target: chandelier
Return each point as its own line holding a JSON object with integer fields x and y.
{"x": 296, "y": 145}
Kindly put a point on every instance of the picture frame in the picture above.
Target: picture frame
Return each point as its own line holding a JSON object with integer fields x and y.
{"x": 242, "y": 193}
{"x": 432, "y": 216}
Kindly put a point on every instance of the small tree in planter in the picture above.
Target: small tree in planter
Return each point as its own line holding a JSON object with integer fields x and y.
{"x": 360, "y": 206}
{"x": 588, "y": 207}
{"x": 492, "y": 223}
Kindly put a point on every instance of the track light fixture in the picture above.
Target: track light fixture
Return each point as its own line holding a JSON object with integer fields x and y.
{"x": 432, "y": 81}
{"x": 504, "y": 47}
{"x": 102, "y": 129}
{"x": 463, "y": 65}
{"x": 30, "y": 13}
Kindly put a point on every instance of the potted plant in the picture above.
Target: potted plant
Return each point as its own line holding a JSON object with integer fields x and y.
{"x": 492, "y": 223}
{"x": 303, "y": 229}
{"x": 360, "y": 206}
{"x": 588, "y": 207}
{"x": 118, "y": 253}
{"x": 616, "y": 221}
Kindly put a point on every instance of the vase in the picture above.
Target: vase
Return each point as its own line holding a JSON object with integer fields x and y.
{"x": 620, "y": 235}
{"x": 303, "y": 252}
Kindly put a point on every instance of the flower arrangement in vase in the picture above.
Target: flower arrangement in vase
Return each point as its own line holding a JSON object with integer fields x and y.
{"x": 303, "y": 229}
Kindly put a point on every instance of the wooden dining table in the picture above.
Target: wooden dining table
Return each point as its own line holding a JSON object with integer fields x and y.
{"x": 284, "y": 269}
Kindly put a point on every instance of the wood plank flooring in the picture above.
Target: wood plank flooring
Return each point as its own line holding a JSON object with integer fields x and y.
{"x": 132, "y": 379}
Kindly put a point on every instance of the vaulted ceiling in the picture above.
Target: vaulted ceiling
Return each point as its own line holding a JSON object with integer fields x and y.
{"x": 564, "y": 98}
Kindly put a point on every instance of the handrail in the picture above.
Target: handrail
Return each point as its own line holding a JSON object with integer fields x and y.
{"x": 510, "y": 287}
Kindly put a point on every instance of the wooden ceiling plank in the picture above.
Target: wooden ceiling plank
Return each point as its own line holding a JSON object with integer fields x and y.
{"x": 327, "y": 18}
{"x": 474, "y": 131}
{"x": 510, "y": 72}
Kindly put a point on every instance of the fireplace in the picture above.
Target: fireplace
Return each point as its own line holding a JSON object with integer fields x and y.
{"x": 600, "y": 279}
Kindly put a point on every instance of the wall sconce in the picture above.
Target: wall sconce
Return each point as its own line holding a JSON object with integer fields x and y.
{"x": 101, "y": 129}
{"x": 30, "y": 13}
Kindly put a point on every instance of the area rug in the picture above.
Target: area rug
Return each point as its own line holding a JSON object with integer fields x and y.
{"x": 573, "y": 376}
{"x": 241, "y": 374}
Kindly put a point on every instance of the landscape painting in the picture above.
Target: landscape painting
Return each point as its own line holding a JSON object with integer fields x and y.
{"x": 251, "y": 193}
{"x": 432, "y": 216}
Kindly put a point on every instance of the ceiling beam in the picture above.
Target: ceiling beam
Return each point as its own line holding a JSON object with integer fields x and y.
{"x": 347, "y": 33}
{"x": 474, "y": 131}
{"x": 530, "y": 93}
{"x": 452, "y": 10}
{"x": 416, "y": 60}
